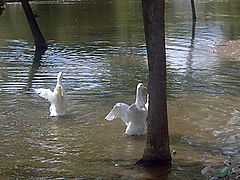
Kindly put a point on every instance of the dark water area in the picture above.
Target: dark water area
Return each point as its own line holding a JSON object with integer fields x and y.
{"x": 100, "y": 47}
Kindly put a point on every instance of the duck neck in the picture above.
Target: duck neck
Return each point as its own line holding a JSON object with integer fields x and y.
{"x": 139, "y": 99}
{"x": 59, "y": 80}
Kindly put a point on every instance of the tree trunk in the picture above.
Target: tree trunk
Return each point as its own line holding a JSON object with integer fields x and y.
{"x": 193, "y": 10}
{"x": 37, "y": 35}
{"x": 157, "y": 149}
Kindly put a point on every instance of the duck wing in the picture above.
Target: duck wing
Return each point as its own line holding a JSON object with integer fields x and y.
{"x": 45, "y": 93}
{"x": 133, "y": 110}
{"x": 119, "y": 110}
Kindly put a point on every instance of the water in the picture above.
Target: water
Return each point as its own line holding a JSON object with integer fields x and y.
{"x": 99, "y": 46}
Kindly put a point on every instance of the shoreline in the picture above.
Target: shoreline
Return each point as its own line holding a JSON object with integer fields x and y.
{"x": 230, "y": 49}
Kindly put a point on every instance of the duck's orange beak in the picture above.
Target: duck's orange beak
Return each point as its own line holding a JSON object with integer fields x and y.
{"x": 146, "y": 88}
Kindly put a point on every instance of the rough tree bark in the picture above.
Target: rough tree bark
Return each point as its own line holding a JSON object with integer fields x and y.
{"x": 37, "y": 35}
{"x": 157, "y": 150}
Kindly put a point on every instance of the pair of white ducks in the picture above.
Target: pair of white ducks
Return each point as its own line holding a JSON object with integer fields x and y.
{"x": 134, "y": 116}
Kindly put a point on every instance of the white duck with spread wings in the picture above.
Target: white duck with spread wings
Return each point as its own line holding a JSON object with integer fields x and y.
{"x": 134, "y": 116}
{"x": 56, "y": 97}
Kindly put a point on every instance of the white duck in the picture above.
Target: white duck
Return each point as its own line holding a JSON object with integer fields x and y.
{"x": 55, "y": 97}
{"x": 147, "y": 103}
{"x": 133, "y": 116}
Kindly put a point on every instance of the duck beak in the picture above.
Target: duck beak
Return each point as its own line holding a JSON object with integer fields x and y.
{"x": 146, "y": 88}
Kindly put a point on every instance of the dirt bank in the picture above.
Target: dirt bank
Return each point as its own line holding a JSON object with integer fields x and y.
{"x": 230, "y": 49}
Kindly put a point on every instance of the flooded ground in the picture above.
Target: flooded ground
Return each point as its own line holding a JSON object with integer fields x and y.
{"x": 99, "y": 46}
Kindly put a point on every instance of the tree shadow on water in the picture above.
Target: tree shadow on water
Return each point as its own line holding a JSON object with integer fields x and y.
{"x": 1, "y": 10}
{"x": 157, "y": 172}
{"x": 178, "y": 169}
{"x": 35, "y": 65}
